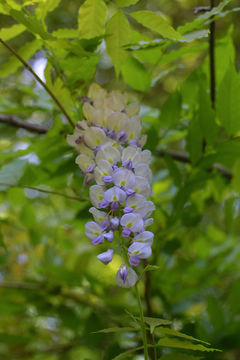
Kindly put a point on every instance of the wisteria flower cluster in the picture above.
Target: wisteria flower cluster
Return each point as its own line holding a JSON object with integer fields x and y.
{"x": 109, "y": 144}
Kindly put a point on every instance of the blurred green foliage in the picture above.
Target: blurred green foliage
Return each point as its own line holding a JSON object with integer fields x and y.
{"x": 54, "y": 294}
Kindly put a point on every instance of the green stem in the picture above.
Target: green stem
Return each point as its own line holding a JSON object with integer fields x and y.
{"x": 144, "y": 334}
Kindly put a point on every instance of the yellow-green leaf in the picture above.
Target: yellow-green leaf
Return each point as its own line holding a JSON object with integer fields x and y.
{"x": 125, "y": 3}
{"x": 45, "y": 7}
{"x": 156, "y": 23}
{"x": 175, "y": 343}
{"x": 91, "y": 19}
{"x": 11, "y": 32}
{"x": 117, "y": 35}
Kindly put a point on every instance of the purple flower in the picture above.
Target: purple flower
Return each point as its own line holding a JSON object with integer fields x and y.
{"x": 114, "y": 206}
{"x": 128, "y": 210}
{"x": 106, "y": 256}
{"x": 126, "y": 232}
{"x": 109, "y": 236}
{"x": 130, "y": 192}
{"x": 126, "y": 277}
{"x": 127, "y": 164}
{"x": 112, "y": 134}
{"x": 134, "y": 260}
{"x": 123, "y": 273}
{"x": 103, "y": 204}
{"x": 114, "y": 222}
{"x": 122, "y": 136}
{"x": 98, "y": 240}
{"x": 105, "y": 224}
{"x": 107, "y": 179}
{"x": 90, "y": 169}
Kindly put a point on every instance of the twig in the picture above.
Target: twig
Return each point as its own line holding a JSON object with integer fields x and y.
{"x": 147, "y": 297}
{"x": 14, "y": 121}
{"x": 41, "y": 190}
{"x": 30, "y": 69}
{"x": 212, "y": 58}
{"x": 184, "y": 157}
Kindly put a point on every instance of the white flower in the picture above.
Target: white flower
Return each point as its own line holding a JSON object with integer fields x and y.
{"x": 115, "y": 194}
{"x": 123, "y": 177}
{"x": 96, "y": 195}
{"x": 94, "y": 137}
{"x": 84, "y": 162}
{"x": 132, "y": 221}
{"x": 98, "y": 215}
{"x": 109, "y": 153}
{"x": 92, "y": 230}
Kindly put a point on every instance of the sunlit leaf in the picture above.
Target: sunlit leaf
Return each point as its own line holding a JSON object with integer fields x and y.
{"x": 117, "y": 35}
{"x": 92, "y": 18}
{"x": 156, "y": 23}
{"x": 11, "y": 32}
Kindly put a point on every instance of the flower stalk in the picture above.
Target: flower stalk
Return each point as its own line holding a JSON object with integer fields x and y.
{"x": 142, "y": 322}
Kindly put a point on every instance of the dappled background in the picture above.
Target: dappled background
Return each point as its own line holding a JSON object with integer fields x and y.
{"x": 54, "y": 293}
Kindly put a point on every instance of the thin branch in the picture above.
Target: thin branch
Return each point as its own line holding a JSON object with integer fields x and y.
{"x": 41, "y": 190}
{"x": 184, "y": 157}
{"x": 212, "y": 58}
{"x": 14, "y": 121}
{"x": 30, "y": 69}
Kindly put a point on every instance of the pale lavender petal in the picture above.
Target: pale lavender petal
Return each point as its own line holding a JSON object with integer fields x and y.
{"x": 90, "y": 169}
{"x": 103, "y": 204}
{"x": 134, "y": 260}
{"x": 126, "y": 277}
{"x": 109, "y": 236}
{"x": 127, "y": 210}
{"x": 130, "y": 192}
{"x": 98, "y": 240}
{"x": 114, "y": 222}
{"x": 126, "y": 232}
{"x": 114, "y": 206}
{"x": 107, "y": 179}
{"x": 122, "y": 136}
{"x": 106, "y": 256}
{"x": 105, "y": 224}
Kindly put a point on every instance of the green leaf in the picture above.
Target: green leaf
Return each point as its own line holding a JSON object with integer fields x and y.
{"x": 156, "y": 23}
{"x": 179, "y": 356}
{"x": 117, "y": 329}
{"x": 11, "y": 32}
{"x": 11, "y": 173}
{"x": 228, "y": 104}
{"x": 66, "y": 33}
{"x": 195, "y": 139}
{"x": 206, "y": 115}
{"x": 154, "y": 322}
{"x": 171, "y": 332}
{"x": 171, "y": 110}
{"x": 135, "y": 74}
{"x": 32, "y": 23}
{"x": 91, "y": 19}
{"x": 125, "y": 3}
{"x": 127, "y": 353}
{"x": 201, "y": 19}
{"x": 117, "y": 35}
{"x": 45, "y": 7}
{"x": 175, "y": 343}
{"x": 26, "y": 51}
{"x": 149, "y": 268}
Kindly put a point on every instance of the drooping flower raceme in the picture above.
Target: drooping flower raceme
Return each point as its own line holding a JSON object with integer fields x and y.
{"x": 109, "y": 144}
